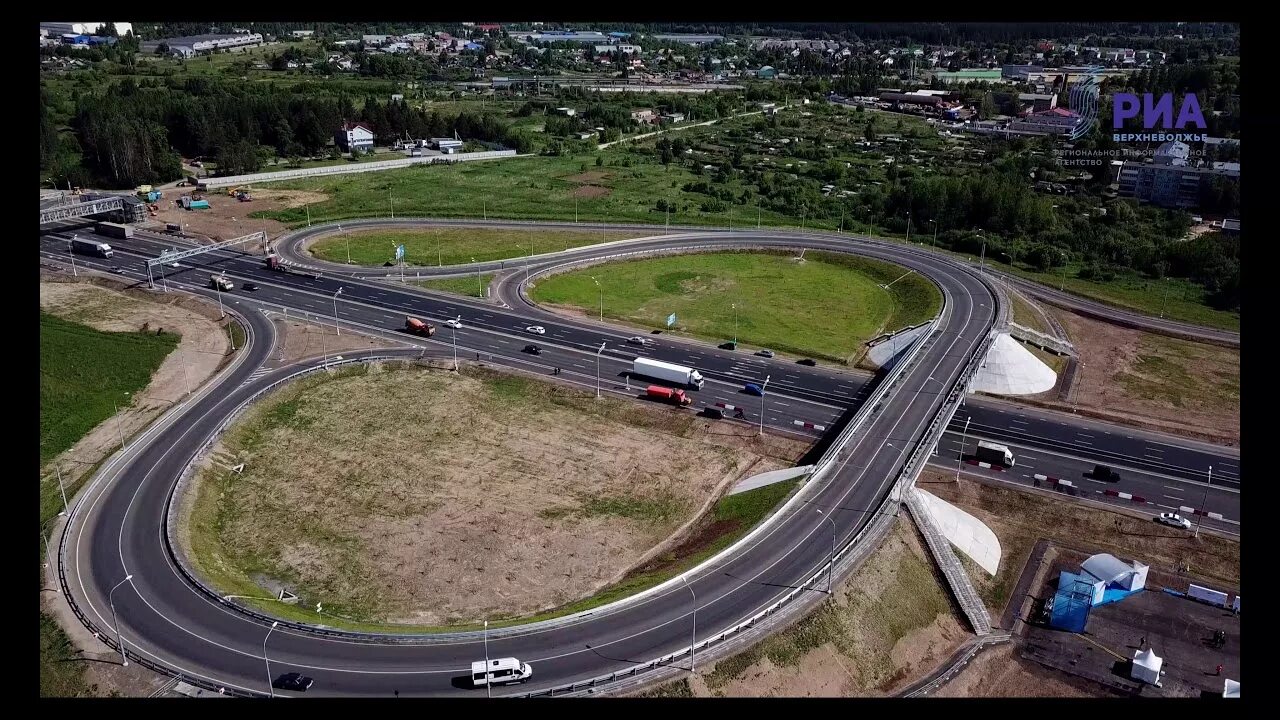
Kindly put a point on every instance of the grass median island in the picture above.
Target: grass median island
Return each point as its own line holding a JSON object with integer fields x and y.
{"x": 467, "y": 285}
{"x": 410, "y": 499}
{"x": 430, "y": 247}
{"x": 826, "y": 306}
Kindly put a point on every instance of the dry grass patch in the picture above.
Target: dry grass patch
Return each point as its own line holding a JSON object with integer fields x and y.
{"x": 420, "y": 496}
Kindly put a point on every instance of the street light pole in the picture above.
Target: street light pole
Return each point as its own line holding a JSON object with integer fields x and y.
{"x": 270, "y": 686}
{"x": 488, "y": 686}
{"x": 763, "y": 388}
{"x": 1203, "y": 500}
{"x": 337, "y": 330}
{"x": 71, "y": 253}
{"x": 119, "y": 426}
{"x": 735, "y": 324}
{"x": 908, "y": 227}
{"x": 693, "y": 644}
{"x": 935, "y": 232}
{"x": 479, "y": 282}
{"x": 1064, "y": 271}
{"x": 348, "y": 239}
{"x": 598, "y": 370}
{"x": 601, "y": 291}
{"x": 960, "y": 456}
{"x": 455, "y": 349}
{"x": 115, "y": 621}
{"x": 65, "y": 509}
{"x": 1165, "y": 297}
{"x": 832, "y": 563}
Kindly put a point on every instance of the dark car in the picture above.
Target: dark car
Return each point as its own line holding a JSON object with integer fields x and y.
{"x": 729, "y": 345}
{"x": 1104, "y": 473}
{"x": 713, "y": 413}
{"x": 251, "y": 287}
{"x": 293, "y": 681}
{"x": 533, "y": 349}
{"x": 752, "y": 389}
{"x": 806, "y": 361}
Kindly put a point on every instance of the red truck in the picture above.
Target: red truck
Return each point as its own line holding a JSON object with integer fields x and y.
{"x": 667, "y": 395}
{"x": 416, "y": 326}
{"x": 273, "y": 263}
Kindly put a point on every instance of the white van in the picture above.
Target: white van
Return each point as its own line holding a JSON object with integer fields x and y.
{"x": 500, "y": 672}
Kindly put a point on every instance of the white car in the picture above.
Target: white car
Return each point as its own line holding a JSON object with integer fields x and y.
{"x": 537, "y": 329}
{"x": 1173, "y": 519}
{"x": 455, "y": 324}
{"x": 636, "y": 340}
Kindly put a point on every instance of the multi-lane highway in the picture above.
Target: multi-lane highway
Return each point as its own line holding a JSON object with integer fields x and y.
{"x": 118, "y": 527}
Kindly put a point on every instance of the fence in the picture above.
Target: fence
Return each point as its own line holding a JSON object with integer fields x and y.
{"x": 233, "y": 180}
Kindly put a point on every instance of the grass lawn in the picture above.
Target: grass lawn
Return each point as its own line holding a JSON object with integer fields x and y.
{"x": 430, "y": 247}
{"x": 83, "y": 370}
{"x": 780, "y": 304}
{"x": 541, "y": 188}
{"x": 459, "y": 285}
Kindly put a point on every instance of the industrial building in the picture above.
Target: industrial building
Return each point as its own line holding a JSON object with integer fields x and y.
{"x": 82, "y": 28}
{"x": 200, "y": 44}
{"x": 353, "y": 136}
{"x": 1169, "y": 180}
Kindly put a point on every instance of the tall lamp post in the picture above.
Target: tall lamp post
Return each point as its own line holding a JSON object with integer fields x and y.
{"x": 270, "y": 686}
{"x": 1204, "y": 500}
{"x": 693, "y": 643}
{"x": 337, "y": 330}
{"x": 763, "y": 388}
{"x": 832, "y": 563}
{"x": 935, "y": 232}
{"x": 960, "y": 456}
{"x": 112, "y": 600}
{"x": 600, "y": 290}
{"x": 598, "y": 369}
{"x": 734, "y": 307}
{"x": 488, "y": 686}
{"x": 908, "y": 226}
{"x": 480, "y": 283}
{"x": 1165, "y": 296}
{"x": 119, "y": 427}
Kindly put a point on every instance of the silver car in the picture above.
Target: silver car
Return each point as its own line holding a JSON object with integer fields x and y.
{"x": 1174, "y": 520}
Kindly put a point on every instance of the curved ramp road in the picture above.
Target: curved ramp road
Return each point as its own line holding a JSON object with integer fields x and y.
{"x": 118, "y": 526}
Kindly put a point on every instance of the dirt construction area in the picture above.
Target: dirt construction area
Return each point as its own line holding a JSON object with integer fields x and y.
{"x": 416, "y": 495}
{"x": 228, "y": 217}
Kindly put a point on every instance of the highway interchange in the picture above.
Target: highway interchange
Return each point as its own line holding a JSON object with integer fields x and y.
{"x": 119, "y": 524}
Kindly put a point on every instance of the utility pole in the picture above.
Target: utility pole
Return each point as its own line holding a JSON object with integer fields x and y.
{"x": 1203, "y": 500}
{"x": 960, "y": 455}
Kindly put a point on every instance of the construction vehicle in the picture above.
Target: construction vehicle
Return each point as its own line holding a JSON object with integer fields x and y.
{"x": 994, "y": 453}
{"x": 273, "y": 262}
{"x": 221, "y": 282}
{"x": 417, "y": 327}
{"x": 144, "y": 189}
{"x": 667, "y": 395}
{"x": 244, "y": 197}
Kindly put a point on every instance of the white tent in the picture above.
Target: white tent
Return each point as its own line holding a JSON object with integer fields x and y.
{"x": 1230, "y": 688}
{"x": 1146, "y": 666}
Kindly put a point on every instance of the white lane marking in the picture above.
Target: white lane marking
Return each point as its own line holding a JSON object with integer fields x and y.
{"x": 1174, "y": 497}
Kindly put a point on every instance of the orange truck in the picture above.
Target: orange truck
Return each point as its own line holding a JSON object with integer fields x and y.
{"x": 667, "y": 395}
{"x": 417, "y": 327}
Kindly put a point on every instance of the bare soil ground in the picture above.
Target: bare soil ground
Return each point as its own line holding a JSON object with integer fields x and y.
{"x": 101, "y": 305}
{"x": 228, "y": 217}
{"x": 297, "y": 340}
{"x": 885, "y": 627}
{"x": 998, "y": 671}
{"x": 1153, "y": 381}
{"x": 420, "y": 496}
{"x": 589, "y": 177}
{"x": 591, "y": 191}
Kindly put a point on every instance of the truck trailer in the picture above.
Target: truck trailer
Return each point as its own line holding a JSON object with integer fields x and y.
{"x": 667, "y": 395}
{"x": 91, "y": 247}
{"x": 114, "y": 230}
{"x": 669, "y": 372}
{"x": 994, "y": 453}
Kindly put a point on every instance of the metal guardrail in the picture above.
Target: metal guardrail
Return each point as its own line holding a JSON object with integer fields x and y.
{"x": 232, "y": 180}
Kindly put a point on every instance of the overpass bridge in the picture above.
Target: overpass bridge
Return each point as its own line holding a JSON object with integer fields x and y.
{"x": 81, "y": 209}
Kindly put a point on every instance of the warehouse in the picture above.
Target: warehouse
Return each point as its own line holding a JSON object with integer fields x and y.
{"x": 201, "y": 44}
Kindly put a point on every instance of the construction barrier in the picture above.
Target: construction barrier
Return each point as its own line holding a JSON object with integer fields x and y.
{"x": 808, "y": 425}
{"x": 726, "y": 406}
{"x": 986, "y": 465}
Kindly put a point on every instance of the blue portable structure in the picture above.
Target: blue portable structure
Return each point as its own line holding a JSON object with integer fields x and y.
{"x": 1071, "y": 603}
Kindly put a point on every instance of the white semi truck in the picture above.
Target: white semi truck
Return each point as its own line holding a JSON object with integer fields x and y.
{"x": 91, "y": 247}
{"x": 669, "y": 372}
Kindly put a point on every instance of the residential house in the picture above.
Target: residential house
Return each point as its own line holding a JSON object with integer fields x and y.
{"x": 354, "y": 136}
{"x": 566, "y": 111}
{"x": 674, "y": 117}
{"x": 643, "y": 116}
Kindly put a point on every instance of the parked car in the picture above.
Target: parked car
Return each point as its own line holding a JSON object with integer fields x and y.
{"x": 536, "y": 330}
{"x": 251, "y": 287}
{"x": 753, "y": 389}
{"x": 765, "y": 353}
{"x": 806, "y": 361}
{"x": 636, "y": 340}
{"x": 293, "y": 681}
{"x": 1174, "y": 520}
{"x": 713, "y": 413}
{"x": 533, "y": 349}
{"x": 731, "y": 345}
{"x": 456, "y": 324}
{"x": 1104, "y": 473}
